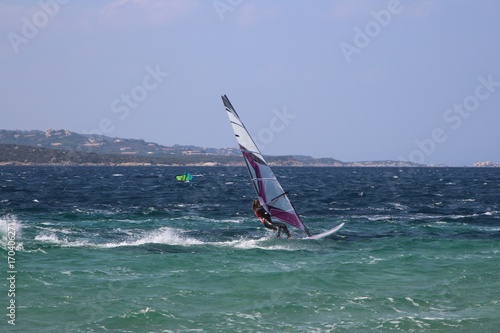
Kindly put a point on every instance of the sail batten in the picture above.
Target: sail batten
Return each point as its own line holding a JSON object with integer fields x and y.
{"x": 269, "y": 191}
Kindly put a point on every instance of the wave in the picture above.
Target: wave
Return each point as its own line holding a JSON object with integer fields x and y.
{"x": 49, "y": 236}
{"x": 10, "y": 232}
{"x": 8, "y": 222}
{"x": 232, "y": 232}
{"x": 165, "y": 235}
{"x": 263, "y": 243}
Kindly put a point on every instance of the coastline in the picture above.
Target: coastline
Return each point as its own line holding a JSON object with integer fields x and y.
{"x": 215, "y": 164}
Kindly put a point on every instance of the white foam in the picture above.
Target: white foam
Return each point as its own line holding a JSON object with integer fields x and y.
{"x": 242, "y": 243}
{"x": 54, "y": 230}
{"x": 8, "y": 222}
{"x": 10, "y": 230}
{"x": 52, "y": 238}
{"x": 260, "y": 243}
{"x": 409, "y": 299}
{"x": 46, "y": 237}
{"x": 161, "y": 236}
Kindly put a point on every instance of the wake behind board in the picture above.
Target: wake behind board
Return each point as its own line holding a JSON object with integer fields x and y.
{"x": 326, "y": 233}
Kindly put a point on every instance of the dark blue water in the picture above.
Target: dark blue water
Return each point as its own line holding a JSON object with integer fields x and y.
{"x": 129, "y": 249}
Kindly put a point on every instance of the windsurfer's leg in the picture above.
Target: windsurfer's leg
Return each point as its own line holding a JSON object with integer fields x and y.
{"x": 269, "y": 225}
{"x": 276, "y": 227}
{"x": 285, "y": 229}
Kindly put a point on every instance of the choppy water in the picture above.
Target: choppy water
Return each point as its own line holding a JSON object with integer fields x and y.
{"x": 106, "y": 249}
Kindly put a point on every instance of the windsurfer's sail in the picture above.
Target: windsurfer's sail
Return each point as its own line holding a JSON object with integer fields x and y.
{"x": 269, "y": 191}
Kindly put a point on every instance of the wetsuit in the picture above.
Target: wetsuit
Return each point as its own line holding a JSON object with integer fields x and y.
{"x": 265, "y": 218}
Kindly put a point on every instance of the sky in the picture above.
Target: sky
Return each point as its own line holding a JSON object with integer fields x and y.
{"x": 355, "y": 80}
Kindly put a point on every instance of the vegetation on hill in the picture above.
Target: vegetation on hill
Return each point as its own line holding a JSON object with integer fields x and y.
{"x": 100, "y": 144}
{"x": 62, "y": 147}
{"x": 18, "y": 154}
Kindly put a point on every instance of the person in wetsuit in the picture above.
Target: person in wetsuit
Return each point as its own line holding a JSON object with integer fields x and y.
{"x": 265, "y": 218}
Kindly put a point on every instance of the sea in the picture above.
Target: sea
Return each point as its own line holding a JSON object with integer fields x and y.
{"x": 130, "y": 249}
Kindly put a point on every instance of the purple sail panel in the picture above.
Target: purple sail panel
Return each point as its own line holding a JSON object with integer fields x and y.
{"x": 255, "y": 173}
{"x": 288, "y": 217}
{"x": 267, "y": 188}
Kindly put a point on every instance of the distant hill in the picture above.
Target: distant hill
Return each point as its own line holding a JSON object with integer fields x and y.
{"x": 62, "y": 147}
{"x": 11, "y": 154}
{"x": 100, "y": 144}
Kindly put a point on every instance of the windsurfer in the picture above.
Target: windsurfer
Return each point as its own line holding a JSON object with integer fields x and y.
{"x": 265, "y": 218}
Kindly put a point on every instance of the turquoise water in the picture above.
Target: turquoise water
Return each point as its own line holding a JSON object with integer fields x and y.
{"x": 106, "y": 249}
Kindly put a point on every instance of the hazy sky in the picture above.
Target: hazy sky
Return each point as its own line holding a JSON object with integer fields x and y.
{"x": 349, "y": 79}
